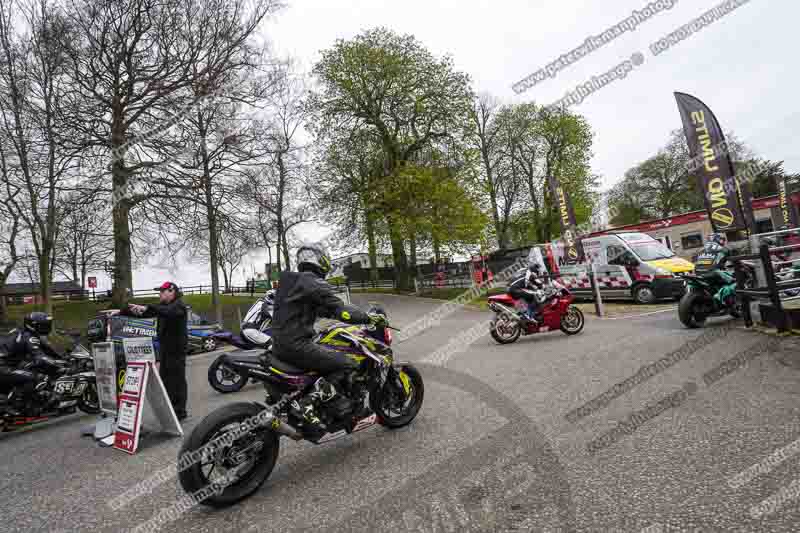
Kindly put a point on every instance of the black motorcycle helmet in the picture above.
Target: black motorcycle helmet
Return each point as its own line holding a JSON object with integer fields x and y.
{"x": 38, "y": 323}
{"x": 718, "y": 238}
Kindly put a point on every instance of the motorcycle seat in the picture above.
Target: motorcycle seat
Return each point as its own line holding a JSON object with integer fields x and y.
{"x": 249, "y": 356}
{"x": 283, "y": 366}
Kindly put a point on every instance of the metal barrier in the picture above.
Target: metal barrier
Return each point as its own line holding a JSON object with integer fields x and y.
{"x": 769, "y": 286}
{"x": 438, "y": 281}
{"x": 367, "y": 284}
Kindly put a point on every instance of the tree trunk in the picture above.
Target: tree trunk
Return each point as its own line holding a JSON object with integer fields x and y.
{"x": 400, "y": 259}
{"x": 413, "y": 265}
{"x": 227, "y": 283}
{"x": 121, "y": 208}
{"x": 371, "y": 247}
{"x": 286, "y": 257}
{"x": 269, "y": 263}
{"x": 211, "y": 220}
{"x": 122, "y": 252}
{"x": 3, "y": 310}
{"x": 537, "y": 212}
{"x": 436, "y": 250}
{"x": 45, "y": 287}
{"x": 279, "y": 240}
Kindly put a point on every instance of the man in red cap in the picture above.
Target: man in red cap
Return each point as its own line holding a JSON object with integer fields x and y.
{"x": 173, "y": 338}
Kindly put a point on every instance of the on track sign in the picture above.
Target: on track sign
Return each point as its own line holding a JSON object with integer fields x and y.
{"x": 143, "y": 391}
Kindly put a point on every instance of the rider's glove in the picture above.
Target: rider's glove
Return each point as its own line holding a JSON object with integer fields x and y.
{"x": 378, "y": 320}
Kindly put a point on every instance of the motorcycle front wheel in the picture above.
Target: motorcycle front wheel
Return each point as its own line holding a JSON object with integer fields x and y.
{"x": 223, "y": 379}
{"x": 398, "y": 404}
{"x": 228, "y": 473}
{"x": 689, "y": 310}
{"x": 505, "y": 330}
{"x": 89, "y": 402}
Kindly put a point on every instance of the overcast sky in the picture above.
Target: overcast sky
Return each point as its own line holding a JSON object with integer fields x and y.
{"x": 743, "y": 66}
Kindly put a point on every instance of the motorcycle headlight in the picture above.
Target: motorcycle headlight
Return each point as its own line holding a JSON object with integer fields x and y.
{"x": 663, "y": 272}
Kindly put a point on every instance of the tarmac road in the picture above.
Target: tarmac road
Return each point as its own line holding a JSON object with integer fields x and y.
{"x": 500, "y": 445}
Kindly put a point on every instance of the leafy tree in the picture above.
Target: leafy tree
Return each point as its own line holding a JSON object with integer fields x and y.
{"x": 394, "y": 87}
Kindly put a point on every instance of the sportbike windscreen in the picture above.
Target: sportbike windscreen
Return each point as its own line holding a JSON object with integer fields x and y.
{"x": 253, "y": 313}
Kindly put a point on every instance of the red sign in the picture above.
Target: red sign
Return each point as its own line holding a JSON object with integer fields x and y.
{"x": 129, "y": 413}
{"x": 92, "y": 282}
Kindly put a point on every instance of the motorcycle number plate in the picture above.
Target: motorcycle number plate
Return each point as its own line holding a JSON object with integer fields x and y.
{"x": 79, "y": 388}
{"x": 64, "y": 386}
{"x": 364, "y": 423}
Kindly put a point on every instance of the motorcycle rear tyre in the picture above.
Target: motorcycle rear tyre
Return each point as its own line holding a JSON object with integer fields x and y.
{"x": 505, "y": 340}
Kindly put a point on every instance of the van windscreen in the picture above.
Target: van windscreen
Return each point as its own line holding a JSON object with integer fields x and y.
{"x": 650, "y": 250}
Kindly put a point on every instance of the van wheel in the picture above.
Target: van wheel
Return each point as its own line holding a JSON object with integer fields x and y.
{"x": 643, "y": 294}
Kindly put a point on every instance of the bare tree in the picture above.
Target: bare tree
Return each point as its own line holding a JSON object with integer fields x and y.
{"x": 222, "y": 141}
{"x": 277, "y": 188}
{"x": 132, "y": 61}
{"x": 234, "y": 243}
{"x": 9, "y": 229}
{"x": 32, "y": 100}
{"x": 85, "y": 241}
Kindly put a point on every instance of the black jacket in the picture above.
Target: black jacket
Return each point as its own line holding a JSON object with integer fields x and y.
{"x": 173, "y": 335}
{"x": 713, "y": 257}
{"x": 23, "y": 345}
{"x": 528, "y": 281}
{"x": 301, "y": 298}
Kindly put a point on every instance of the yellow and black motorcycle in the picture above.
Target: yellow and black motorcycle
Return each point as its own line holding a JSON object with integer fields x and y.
{"x": 233, "y": 450}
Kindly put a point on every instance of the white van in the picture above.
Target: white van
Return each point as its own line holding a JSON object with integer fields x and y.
{"x": 627, "y": 265}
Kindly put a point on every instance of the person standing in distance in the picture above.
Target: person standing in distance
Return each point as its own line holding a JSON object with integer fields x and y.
{"x": 173, "y": 338}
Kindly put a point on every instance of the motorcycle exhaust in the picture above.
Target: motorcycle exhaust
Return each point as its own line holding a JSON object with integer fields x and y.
{"x": 268, "y": 419}
{"x": 503, "y": 310}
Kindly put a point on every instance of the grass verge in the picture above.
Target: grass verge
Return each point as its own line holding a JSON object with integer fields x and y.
{"x": 76, "y": 314}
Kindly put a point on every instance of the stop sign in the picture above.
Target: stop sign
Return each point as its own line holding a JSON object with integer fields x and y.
{"x": 92, "y": 283}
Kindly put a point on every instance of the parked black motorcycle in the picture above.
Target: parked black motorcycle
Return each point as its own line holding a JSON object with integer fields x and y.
{"x": 233, "y": 450}
{"x": 70, "y": 384}
{"x": 231, "y": 371}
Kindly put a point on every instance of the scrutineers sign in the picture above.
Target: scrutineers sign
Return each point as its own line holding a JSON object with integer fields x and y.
{"x": 139, "y": 349}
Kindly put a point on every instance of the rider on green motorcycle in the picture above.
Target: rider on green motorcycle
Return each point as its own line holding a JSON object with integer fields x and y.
{"x": 713, "y": 259}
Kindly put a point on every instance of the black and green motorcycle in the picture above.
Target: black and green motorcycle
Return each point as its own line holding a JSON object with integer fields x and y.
{"x": 709, "y": 295}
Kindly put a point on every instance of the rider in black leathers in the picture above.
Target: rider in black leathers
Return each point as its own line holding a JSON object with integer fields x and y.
{"x": 301, "y": 298}
{"x": 715, "y": 254}
{"x": 529, "y": 288}
{"x": 25, "y": 345}
{"x": 714, "y": 257}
